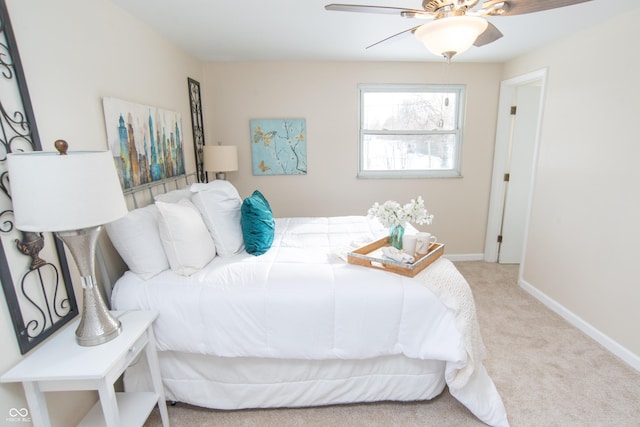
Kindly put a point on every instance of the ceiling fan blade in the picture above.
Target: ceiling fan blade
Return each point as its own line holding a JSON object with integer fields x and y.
{"x": 489, "y": 35}
{"x": 407, "y": 13}
{"x": 398, "y": 36}
{"x": 520, "y": 7}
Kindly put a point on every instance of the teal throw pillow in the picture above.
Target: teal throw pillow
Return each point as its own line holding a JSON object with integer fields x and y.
{"x": 260, "y": 196}
{"x": 258, "y": 226}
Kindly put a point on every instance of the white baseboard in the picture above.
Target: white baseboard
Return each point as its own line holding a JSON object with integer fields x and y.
{"x": 464, "y": 257}
{"x": 623, "y": 353}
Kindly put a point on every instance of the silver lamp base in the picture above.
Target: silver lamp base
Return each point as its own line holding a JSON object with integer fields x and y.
{"x": 97, "y": 325}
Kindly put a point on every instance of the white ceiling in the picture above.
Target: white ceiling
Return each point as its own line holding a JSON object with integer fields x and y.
{"x": 275, "y": 30}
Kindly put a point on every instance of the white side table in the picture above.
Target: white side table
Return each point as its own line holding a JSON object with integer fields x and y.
{"x": 61, "y": 364}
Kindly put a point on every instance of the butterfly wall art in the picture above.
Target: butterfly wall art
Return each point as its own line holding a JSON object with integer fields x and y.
{"x": 279, "y": 146}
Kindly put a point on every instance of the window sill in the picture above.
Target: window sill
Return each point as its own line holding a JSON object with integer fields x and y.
{"x": 407, "y": 175}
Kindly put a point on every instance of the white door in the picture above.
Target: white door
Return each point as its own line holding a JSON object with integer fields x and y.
{"x": 509, "y": 134}
{"x": 520, "y": 170}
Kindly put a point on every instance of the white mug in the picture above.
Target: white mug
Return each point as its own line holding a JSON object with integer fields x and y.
{"x": 423, "y": 241}
{"x": 409, "y": 244}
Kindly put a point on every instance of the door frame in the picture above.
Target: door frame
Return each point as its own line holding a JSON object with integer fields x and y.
{"x": 508, "y": 89}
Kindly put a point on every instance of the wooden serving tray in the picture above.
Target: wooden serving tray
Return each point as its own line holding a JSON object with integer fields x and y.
{"x": 371, "y": 256}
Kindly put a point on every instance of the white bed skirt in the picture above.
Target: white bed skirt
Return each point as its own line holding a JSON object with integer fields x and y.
{"x": 240, "y": 383}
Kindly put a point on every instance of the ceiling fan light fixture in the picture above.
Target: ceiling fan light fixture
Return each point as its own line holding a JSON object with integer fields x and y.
{"x": 451, "y": 35}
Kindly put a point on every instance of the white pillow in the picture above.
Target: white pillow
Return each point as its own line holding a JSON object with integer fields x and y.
{"x": 219, "y": 203}
{"x": 137, "y": 239}
{"x": 184, "y": 236}
{"x": 173, "y": 196}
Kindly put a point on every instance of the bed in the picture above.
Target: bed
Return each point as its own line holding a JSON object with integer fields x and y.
{"x": 284, "y": 320}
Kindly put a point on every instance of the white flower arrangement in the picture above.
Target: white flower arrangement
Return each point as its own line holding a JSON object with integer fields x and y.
{"x": 392, "y": 213}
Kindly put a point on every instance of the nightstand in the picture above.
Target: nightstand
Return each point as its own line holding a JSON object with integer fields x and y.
{"x": 61, "y": 364}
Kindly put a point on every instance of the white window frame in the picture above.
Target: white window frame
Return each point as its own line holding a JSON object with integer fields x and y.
{"x": 455, "y": 172}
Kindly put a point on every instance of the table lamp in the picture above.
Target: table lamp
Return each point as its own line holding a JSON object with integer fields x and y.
{"x": 220, "y": 159}
{"x": 72, "y": 195}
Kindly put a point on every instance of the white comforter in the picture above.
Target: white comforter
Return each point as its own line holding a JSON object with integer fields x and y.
{"x": 301, "y": 300}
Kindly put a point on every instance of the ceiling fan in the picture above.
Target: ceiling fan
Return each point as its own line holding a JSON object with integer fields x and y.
{"x": 455, "y": 25}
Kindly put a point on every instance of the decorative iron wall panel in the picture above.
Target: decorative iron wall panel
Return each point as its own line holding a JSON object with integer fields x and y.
{"x": 33, "y": 267}
{"x": 198, "y": 128}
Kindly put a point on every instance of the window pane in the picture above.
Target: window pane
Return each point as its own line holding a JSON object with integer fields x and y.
{"x": 409, "y": 131}
{"x": 408, "y": 152}
{"x": 409, "y": 110}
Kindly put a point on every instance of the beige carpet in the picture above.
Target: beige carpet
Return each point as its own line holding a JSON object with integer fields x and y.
{"x": 547, "y": 372}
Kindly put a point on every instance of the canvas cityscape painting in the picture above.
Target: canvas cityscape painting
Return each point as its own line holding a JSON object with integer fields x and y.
{"x": 146, "y": 142}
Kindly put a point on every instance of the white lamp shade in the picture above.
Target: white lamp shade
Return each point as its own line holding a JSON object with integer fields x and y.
{"x": 452, "y": 34}
{"x": 220, "y": 158}
{"x": 53, "y": 192}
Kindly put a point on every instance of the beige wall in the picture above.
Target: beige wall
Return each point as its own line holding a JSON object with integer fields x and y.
{"x": 75, "y": 52}
{"x": 326, "y": 95}
{"x": 582, "y": 245}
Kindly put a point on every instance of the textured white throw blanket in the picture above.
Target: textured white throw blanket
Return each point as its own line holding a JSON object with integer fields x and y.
{"x": 454, "y": 292}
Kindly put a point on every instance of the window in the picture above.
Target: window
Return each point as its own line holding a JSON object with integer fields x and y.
{"x": 409, "y": 131}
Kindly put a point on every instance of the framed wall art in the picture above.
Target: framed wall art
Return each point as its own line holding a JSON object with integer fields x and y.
{"x": 279, "y": 146}
{"x": 146, "y": 142}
